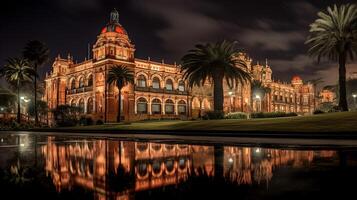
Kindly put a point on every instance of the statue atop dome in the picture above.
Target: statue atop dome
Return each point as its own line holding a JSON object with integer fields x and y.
{"x": 114, "y": 16}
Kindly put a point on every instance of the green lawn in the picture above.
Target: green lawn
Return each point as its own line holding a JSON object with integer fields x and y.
{"x": 331, "y": 122}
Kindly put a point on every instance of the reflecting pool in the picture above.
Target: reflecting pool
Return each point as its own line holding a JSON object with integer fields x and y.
{"x": 69, "y": 167}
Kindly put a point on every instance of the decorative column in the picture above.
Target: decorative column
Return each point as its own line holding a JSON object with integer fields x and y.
{"x": 149, "y": 106}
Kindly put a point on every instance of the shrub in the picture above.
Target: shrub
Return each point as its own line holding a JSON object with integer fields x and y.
{"x": 236, "y": 115}
{"x": 82, "y": 121}
{"x": 334, "y": 109}
{"x": 99, "y": 122}
{"x": 66, "y": 115}
{"x": 89, "y": 121}
{"x": 316, "y": 112}
{"x": 213, "y": 115}
{"x": 272, "y": 115}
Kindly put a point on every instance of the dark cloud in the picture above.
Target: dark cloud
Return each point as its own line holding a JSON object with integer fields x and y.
{"x": 163, "y": 29}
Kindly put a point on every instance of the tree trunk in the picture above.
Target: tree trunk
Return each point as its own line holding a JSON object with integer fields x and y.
{"x": 342, "y": 82}
{"x": 35, "y": 103}
{"x": 200, "y": 110}
{"x": 119, "y": 106}
{"x": 218, "y": 93}
{"x": 218, "y": 161}
{"x": 241, "y": 98}
{"x": 18, "y": 103}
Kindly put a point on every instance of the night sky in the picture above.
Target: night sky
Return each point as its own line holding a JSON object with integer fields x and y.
{"x": 166, "y": 29}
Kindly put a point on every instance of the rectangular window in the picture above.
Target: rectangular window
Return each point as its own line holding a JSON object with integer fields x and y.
{"x": 181, "y": 88}
{"x": 156, "y": 85}
{"x": 168, "y": 87}
{"x": 156, "y": 109}
{"x": 141, "y": 83}
{"x": 169, "y": 109}
{"x": 142, "y": 108}
{"x": 182, "y": 109}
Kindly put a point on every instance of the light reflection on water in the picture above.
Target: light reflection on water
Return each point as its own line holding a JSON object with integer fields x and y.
{"x": 93, "y": 164}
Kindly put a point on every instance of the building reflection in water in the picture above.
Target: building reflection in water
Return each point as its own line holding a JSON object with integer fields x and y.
{"x": 88, "y": 164}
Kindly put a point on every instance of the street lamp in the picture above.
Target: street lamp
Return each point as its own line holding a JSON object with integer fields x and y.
{"x": 354, "y": 99}
{"x": 23, "y": 98}
{"x": 260, "y": 102}
{"x": 230, "y": 93}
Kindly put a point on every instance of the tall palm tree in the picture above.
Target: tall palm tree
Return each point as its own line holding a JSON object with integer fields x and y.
{"x": 16, "y": 72}
{"x": 37, "y": 54}
{"x": 217, "y": 62}
{"x": 121, "y": 76}
{"x": 334, "y": 36}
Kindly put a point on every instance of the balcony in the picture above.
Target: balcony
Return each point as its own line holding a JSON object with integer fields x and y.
{"x": 160, "y": 90}
{"x": 80, "y": 90}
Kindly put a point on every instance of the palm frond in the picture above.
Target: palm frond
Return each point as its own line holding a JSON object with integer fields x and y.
{"x": 120, "y": 75}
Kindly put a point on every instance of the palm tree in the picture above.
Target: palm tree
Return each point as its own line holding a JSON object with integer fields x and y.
{"x": 121, "y": 76}
{"x": 217, "y": 62}
{"x": 334, "y": 36}
{"x": 37, "y": 54}
{"x": 17, "y": 71}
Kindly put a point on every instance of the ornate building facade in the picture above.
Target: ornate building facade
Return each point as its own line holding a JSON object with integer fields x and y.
{"x": 159, "y": 90}
{"x": 283, "y": 97}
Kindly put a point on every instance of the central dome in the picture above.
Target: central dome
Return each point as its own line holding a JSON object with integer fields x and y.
{"x": 114, "y": 25}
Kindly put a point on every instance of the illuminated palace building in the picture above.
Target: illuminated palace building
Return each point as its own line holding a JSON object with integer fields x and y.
{"x": 159, "y": 90}
{"x": 93, "y": 164}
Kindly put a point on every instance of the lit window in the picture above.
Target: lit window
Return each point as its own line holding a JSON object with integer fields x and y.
{"x": 181, "y": 107}
{"x": 156, "y": 83}
{"x": 81, "y": 105}
{"x": 90, "y": 106}
{"x": 81, "y": 82}
{"x": 73, "y": 84}
{"x": 141, "y": 81}
{"x": 142, "y": 106}
{"x": 169, "y": 107}
{"x": 169, "y": 84}
{"x": 181, "y": 86}
{"x": 156, "y": 106}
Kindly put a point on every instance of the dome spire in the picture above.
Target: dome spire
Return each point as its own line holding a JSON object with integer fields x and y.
{"x": 114, "y": 16}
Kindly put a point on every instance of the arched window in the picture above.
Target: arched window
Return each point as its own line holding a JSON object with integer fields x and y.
{"x": 156, "y": 83}
{"x": 90, "y": 80}
{"x": 73, "y": 84}
{"x": 169, "y": 106}
{"x": 142, "y": 106}
{"x": 169, "y": 84}
{"x": 141, "y": 81}
{"x": 156, "y": 106}
{"x": 90, "y": 106}
{"x": 81, "y": 105}
{"x": 181, "y": 107}
{"x": 73, "y": 103}
{"x": 181, "y": 86}
{"x": 81, "y": 82}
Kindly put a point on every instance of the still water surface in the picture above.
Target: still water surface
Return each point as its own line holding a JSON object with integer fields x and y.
{"x": 55, "y": 167}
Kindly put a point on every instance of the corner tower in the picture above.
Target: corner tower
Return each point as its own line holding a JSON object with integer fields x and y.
{"x": 113, "y": 41}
